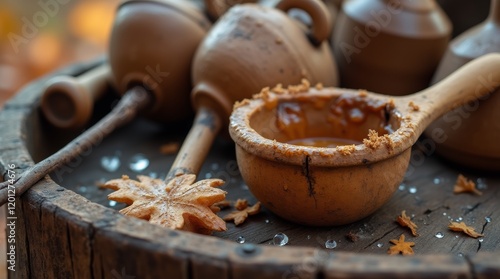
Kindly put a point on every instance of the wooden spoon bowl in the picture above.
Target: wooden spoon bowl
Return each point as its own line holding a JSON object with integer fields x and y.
{"x": 333, "y": 186}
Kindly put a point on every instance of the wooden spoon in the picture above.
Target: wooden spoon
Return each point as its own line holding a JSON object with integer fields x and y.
{"x": 68, "y": 102}
{"x": 334, "y": 186}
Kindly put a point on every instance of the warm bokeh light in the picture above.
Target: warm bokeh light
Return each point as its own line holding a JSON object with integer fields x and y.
{"x": 37, "y": 39}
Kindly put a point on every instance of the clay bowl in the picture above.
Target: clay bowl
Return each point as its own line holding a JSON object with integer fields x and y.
{"x": 333, "y": 186}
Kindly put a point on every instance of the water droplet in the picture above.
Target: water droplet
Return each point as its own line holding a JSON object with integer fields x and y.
{"x": 437, "y": 180}
{"x": 82, "y": 189}
{"x": 110, "y": 163}
{"x": 280, "y": 239}
{"x": 380, "y": 245}
{"x": 240, "y": 239}
{"x": 308, "y": 236}
{"x": 208, "y": 175}
{"x": 330, "y": 244}
{"x": 244, "y": 186}
{"x": 267, "y": 221}
{"x": 460, "y": 254}
{"x": 488, "y": 219}
{"x": 412, "y": 189}
{"x": 153, "y": 175}
{"x": 444, "y": 214}
{"x": 214, "y": 166}
{"x": 481, "y": 240}
{"x": 402, "y": 187}
{"x": 138, "y": 163}
{"x": 439, "y": 235}
{"x": 456, "y": 236}
{"x": 481, "y": 184}
{"x": 112, "y": 203}
{"x": 459, "y": 219}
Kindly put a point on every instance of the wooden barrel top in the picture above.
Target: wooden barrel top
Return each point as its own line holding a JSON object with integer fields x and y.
{"x": 66, "y": 227}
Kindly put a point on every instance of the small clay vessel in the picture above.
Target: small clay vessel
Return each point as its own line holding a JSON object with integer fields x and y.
{"x": 472, "y": 131}
{"x": 68, "y": 102}
{"x": 249, "y": 48}
{"x": 389, "y": 46}
{"x": 333, "y": 186}
{"x": 152, "y": 44}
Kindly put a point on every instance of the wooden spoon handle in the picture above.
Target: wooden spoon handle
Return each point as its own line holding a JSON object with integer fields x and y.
{"x": 68, "y": 101}
{"x": 127, "y": 108}
{"x": 472, "y": 82}
{"x": 197, "y": 144}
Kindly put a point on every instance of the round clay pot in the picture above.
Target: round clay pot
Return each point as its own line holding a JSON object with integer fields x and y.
{"x": 472, "y": 131}
{"x": 249, "y": 48}
{"x": 252, "y": 47}
{"x": 389, "y": 46}
{"x": 152, "y": 44}
{"x": 325, "y": 186}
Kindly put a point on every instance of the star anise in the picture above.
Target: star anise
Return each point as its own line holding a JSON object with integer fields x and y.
{"x": 464, "y": 185}
{"x": 400, "y": 246}
{"x": 241, "y": 215}
{"x": 405, "y": 221}
{"x": 180, "y": 204}
{"x": 462, "y": 227}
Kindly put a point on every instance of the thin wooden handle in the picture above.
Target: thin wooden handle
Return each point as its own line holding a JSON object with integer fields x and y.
{"x": 471, "y": 82}
{"x": 197, "y": 144}
{"x": 127, "y": 108}
{"x": 68, "y": 102}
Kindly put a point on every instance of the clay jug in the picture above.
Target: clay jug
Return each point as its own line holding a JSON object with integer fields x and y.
{"x": 254, "y": 46}
{"x": 389, "y": 46}
{"x": 152, "y": 44}
{"x": 470, "y": 134}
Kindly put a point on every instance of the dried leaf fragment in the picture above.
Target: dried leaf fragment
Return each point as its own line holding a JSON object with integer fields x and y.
{"x": 241, "y": 204}
{"x": 241, "y": 215}
{"x": 400, "y": 246}
{"x": 181, "y": 204}
{"x": 464, "y": 185}
{"x": 405, "y": 221}
{"x": 462, "y": 227}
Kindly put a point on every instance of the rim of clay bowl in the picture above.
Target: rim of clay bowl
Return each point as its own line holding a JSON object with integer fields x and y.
{"x": 251, "y": 141}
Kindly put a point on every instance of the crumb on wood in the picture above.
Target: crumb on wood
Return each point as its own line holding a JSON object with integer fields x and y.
{"x": 169, "y": 148}
{"x": 346, "y": 149}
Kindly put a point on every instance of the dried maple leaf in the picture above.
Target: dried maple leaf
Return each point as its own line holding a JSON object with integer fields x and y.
{"x": 405, "y": 221}
{"x": 180, "y": 204}
{"x": 400, "y": 246}
{"x": 462, "y": 227}
{"x": 464, "y": 185}
{"x": 240, "y": 216}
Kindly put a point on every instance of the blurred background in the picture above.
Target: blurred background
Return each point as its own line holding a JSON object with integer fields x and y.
{"x": 40, "y": 36}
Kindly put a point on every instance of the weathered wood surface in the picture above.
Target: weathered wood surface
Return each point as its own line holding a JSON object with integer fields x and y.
{"x": 72, "y": 231}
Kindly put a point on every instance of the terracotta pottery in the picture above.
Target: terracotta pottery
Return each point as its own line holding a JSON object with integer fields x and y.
{"x": 68, "y": 102}
{"x": 334, "y": 186}
{"x": 472, "y": 131}
{"x": 152, "y": 44}
{"x": 249, "y": 48}
{"x": 389, "y": 46}
{"x": 151, "y": 49}
{"x": 216, "y": 8}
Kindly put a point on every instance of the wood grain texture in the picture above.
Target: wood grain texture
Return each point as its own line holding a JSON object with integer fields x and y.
{"x": 67, "y": 232}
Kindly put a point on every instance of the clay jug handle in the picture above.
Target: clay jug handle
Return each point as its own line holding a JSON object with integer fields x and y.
{"x": 318, "y": 12}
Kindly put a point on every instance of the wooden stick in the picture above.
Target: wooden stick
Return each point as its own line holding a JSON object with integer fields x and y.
{"x": 126, "y": 110}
